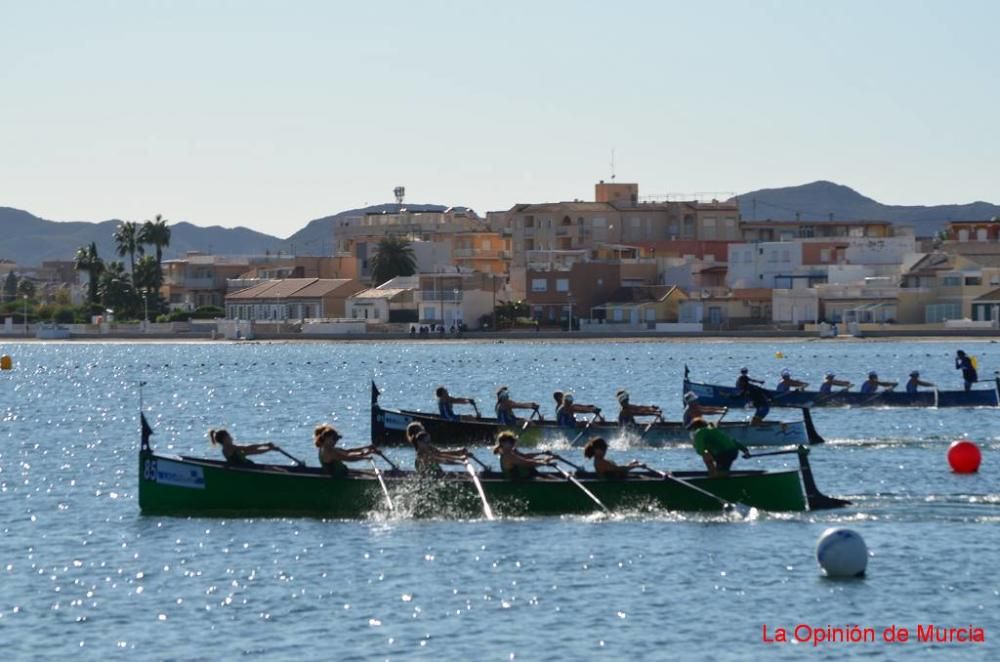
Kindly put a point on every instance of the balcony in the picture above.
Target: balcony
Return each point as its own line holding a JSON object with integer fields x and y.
{"x": 441, "y": 295}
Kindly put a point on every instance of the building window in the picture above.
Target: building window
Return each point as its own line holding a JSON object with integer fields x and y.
{"x": 939, "y": 312}
{"x": 951, "y": 281}
{"x": 650, "y": 314}
{"x": 618, "y": 315}
{"x": 529, "y": 221}
{"x": 562, "y": 285}
{"x": 824, "y": 255}
{"x": 429, "y": 312}
{"x": 539, "y": 285}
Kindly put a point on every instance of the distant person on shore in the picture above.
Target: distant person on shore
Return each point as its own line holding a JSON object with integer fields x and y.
{"x": 872, "y": 384}
{"x": 786, "y": 383}
{"x": 445, "y": 402}
{"x": 333, "y": 459}
{"x": 566, "y": 412}
{"x": 596, "y": 449}
{"x": 914, "y": 382}
{"x": 514, "y": 464}
{"x": 830, "y": 381}
{"x": 967, "y": 365}
{"x": 233, "y": 452}
{"x": 693, "y": 411}
{"x": 628, "y": 411}
{"x": 717, "y": 449}
{"x": 505, "y": 407}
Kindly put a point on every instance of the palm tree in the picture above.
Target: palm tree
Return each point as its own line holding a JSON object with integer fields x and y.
{"x": 156, "y": 233}
{"x": 116, "y": 289}
{"x": 88, "y": 260}
{"x": 127, "y": 242}
{"x": 393, "y": 257}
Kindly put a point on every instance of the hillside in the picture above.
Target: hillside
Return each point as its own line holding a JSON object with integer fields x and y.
{"x": 816, "y": 201}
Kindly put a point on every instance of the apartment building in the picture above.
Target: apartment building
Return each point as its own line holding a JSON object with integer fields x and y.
{"x": 198, "y": 280}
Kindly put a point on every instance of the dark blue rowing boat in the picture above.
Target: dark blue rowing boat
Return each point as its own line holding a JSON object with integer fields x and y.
{"x": 730, "y": 396}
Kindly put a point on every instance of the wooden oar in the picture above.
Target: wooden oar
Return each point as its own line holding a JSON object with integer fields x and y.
{"x": 479, "y": 462}
{"x": 659, "y": 417}
{"x": 479, "y": 488}
{"x": 475, "y": 408}
{"x": 381, "y": 481}
{"x": 554, "y": 456}
{"x": 387, "y": 460}
{"x": 740, "y": 508}
{"x": 788, "y": 451}
{"x": 527, "y": 421}
{"x": 570, "y": 478}
{"x": 584, "y": 430}
{"x": 290, "y": 457}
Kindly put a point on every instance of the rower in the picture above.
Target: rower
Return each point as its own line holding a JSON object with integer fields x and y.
{"x": 914, "y": 382}
{"x": 830, "y": 381}
{"x": 786, "y": 383}
{"x": 516, "y": 465}
{"x": 566, "y": 413}
{"x": 505, "y": 407}
{"x": 717, "y": 449}
{"x": 236, "y": 453}
{"x": 597, "y": 448}
{"x": 757, "y": 396}
{"x": 744, "y": 380}
{"x": 445, "y": 402}
{"x": 967, "y": 365}
{"x": 430, "y": 458}
{"x": 331, "y": 458}
{"x": 694, "y": 411}
{"x": 628, "y": 411}
{"x": 872, "y": 384}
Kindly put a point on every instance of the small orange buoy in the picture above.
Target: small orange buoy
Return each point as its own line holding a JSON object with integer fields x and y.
{"x": 5, "y": 362}
{"x": 964, "y": 457}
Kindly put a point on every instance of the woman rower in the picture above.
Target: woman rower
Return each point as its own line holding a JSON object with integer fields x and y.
{"x": 446, "y": 401}
{"x": 597, "y": 448}
{"x": 333, "y": 459}
{"x": 505, "y": 407}
{"x": 566, "y": 413}
{"x": 628, "y": 412}
{"x": 514, "y": 464}
{"x": 429, "y": 458}
{"x": 236, "y": 453}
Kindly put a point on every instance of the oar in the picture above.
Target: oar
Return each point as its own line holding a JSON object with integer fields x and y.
{"x": 387, "y": 460}
{"x": 381, "y": 481}
{"x": 570, "y": 478}
{"x": 725, "y": 410}
{"x": 784, "y": 452}
{"x": 659, "y": 417}
{"x": 527, "y": 421}
{"x": 554, "y": 456}
{"x": 479, "y": 488}
{"x": 475, "y": 408}
{"x": 740, "y": 508}
{"x": 584, "y": 430}
{"x": 479, "y": 462}
{"x": 290, "y": 457}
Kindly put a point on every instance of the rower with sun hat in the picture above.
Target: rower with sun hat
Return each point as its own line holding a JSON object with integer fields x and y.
{"x": 786, "y": 383}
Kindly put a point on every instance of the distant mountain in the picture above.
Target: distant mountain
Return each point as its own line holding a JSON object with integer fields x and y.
{"x": 29, "y": 240}
{"x": 816, "y": 201}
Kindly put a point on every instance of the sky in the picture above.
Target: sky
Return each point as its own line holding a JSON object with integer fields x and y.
{"x": 270, "y": 114}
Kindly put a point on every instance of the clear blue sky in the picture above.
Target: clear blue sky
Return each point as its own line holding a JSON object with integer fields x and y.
{"x": 269, "y": 114}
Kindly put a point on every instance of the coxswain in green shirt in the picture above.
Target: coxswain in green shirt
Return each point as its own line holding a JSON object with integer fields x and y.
{"x": 717, "y": 449}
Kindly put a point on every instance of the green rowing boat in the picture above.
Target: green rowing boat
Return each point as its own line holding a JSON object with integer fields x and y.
{"x": 174, "y": 485}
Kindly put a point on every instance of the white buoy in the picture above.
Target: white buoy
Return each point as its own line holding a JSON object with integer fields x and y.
{"x": 842, "y": 553}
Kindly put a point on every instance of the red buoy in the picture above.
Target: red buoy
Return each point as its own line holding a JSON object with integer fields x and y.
{"x": 964, "y": 457}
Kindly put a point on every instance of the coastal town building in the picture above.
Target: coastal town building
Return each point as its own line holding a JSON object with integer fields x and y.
{"x": 452, "y": 299}
{"x": 394, "y": 301}
{"x": 295, "y": 299}
{"x": 198, "y": 280}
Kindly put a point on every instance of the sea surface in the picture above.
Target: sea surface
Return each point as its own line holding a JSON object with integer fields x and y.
{"x": 83, "y": 573}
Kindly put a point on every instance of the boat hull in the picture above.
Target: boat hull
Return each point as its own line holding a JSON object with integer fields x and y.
{"x": 388, "y": 428}
{"x": 188, "y": 486}
{"x": 729, "y": 396}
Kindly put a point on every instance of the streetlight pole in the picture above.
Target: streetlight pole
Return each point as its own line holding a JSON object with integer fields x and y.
{"x": 440, "y": 291}
{"x": 145, "y": 312}
{"x": 26, "y": 315}
{"x": 569, "y": 298}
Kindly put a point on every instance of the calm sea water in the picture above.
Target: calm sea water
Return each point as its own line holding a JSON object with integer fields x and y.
{"x": 83, "y": 573}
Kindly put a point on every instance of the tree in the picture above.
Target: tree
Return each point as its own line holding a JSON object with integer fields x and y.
{"x": 156, "y": 233}
{"x": 116, "y": 289}
{"x": 87, "y": 259}
{"x": 127, "y": 242}
{"x": 10, "y": 286}
{"x": 393, "y": 257}
{"x": 26, "y": 288}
